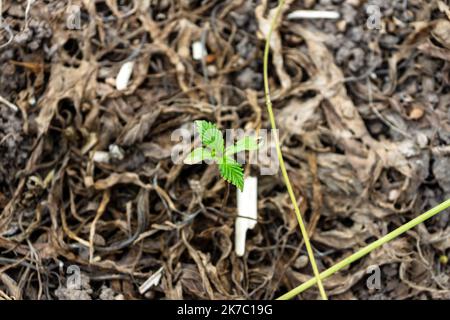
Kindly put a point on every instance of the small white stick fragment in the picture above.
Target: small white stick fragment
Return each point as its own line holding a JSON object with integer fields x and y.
{"x": 247, "y": 205}
{"x": 124, "y": 75}
{"x": 8, "y": 104}
{"x": 198, "y": 50}
{"x": 101, "y": 156}
{"x": 153, "y": 280}
{"x": 313, "y": 14}
{"x": 116, "y": 152}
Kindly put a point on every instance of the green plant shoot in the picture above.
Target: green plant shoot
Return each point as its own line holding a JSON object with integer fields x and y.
{"x": 213, "y": 149}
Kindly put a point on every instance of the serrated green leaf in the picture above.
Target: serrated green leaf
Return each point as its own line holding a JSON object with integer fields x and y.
{"x": 232, "y": 172}
{"x": 248, "y": 143}
{"x": 198, "y": 155}
{"x": 210, "y": 136}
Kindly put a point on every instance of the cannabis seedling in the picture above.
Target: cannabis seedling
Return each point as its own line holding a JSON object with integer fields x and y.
{"x": 214, "y": 150}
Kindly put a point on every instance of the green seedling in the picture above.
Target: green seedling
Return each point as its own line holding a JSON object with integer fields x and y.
{"x": 213, "y": 149}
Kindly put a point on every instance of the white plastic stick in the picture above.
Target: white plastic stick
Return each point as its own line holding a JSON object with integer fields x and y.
{"x": 313, "y": 14}
{"x": 247, "y": 205}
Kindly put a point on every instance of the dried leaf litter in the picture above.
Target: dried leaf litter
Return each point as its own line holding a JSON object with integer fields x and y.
{"x": 86, "y": 177}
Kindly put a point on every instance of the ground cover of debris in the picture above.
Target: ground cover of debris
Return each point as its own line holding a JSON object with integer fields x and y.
{"x": 86, "y": 177}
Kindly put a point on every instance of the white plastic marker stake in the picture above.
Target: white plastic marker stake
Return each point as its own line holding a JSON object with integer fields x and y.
{"x": 124, "y": 75}
{"x": 247, "y": 205}
{"x": 313, "y": 14}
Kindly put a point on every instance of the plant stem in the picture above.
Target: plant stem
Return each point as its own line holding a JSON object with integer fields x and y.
{"x": 280, "y": 156}
{"x": 364, "y": 251}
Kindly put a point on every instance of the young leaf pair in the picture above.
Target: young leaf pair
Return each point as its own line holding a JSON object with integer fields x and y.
{"x": 213, "y": 149}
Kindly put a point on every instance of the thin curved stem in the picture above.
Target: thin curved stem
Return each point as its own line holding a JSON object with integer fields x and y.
{"x": 280, "y": 156}
{"x": 366, "y": 250}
